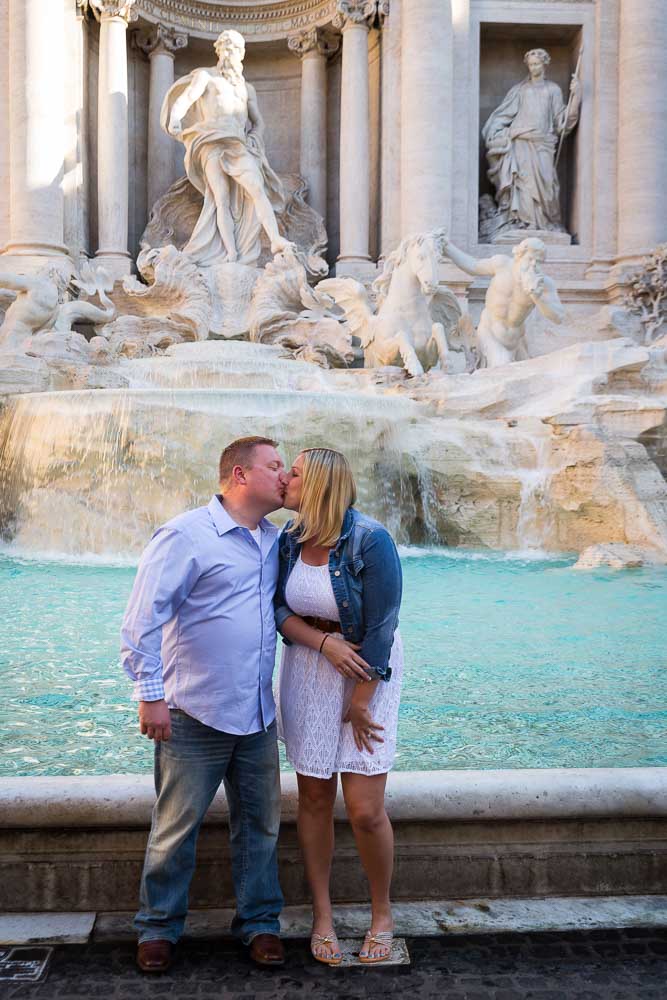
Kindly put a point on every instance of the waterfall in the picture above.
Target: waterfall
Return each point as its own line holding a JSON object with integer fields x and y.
{"x": 96, "y": 471}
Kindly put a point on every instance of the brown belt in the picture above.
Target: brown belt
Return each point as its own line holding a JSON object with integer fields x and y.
{"x": 323, "y": 624}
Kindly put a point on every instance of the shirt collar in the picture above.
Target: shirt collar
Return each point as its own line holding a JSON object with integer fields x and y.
{"x": 224, "y": 523}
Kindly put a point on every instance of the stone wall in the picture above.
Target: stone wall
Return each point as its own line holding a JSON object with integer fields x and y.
{"x": 78, "y": 844}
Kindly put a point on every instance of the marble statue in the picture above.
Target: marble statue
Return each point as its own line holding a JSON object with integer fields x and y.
{"x": 169, "y": 305}
{"x": 647, "y": 297}
{"x": 401, "y": 329}
{"x": 91, "y": 281}
{"x": 285, "y": 310}
{"x": 42, "y": 303}
{"x": 213, "y": 111}
{"x": 518, "y": 285}
{"x": 35, "y": 306}
{"x": 522, "y": 137}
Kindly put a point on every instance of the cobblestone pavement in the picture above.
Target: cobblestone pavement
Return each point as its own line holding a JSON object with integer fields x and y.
{"x": 600, "y": 965}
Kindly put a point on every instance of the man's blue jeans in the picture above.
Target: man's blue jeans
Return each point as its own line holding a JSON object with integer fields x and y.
{"x": 188, "y": 771}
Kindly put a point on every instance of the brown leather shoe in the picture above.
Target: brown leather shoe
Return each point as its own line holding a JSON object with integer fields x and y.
{"x": 155, "y": 956}
{"x": 267, "y": 949}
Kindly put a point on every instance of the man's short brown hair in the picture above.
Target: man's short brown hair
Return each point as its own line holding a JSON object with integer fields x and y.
{"x": 240, "y": 452}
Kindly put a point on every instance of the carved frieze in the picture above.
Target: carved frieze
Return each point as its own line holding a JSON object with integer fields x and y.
{"x": 263, "y": 20}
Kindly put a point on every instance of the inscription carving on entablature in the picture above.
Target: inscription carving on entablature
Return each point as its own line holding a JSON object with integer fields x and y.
{"x": 265, "y": 20}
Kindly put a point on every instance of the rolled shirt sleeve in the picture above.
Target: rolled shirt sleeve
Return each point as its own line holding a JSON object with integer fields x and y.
{"x": 168, "y": 570}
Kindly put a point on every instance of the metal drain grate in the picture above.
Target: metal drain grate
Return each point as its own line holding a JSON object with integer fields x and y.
{"x": 26, "y": 965}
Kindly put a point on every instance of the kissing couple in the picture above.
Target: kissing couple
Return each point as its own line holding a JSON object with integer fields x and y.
{"x": 213, "y": 587}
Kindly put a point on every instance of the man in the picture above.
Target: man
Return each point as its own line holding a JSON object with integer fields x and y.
{"x": 521, "y": 137}
{"x": 198, "y": 640}
{"x": 215, "y": 114}
{"x": 517, "y": 287}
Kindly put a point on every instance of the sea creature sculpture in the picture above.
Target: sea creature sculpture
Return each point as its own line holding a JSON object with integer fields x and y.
{"x": 401, "y": 328}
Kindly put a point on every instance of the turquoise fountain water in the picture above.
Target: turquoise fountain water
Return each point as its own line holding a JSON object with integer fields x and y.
{"x": 509, "y": 663}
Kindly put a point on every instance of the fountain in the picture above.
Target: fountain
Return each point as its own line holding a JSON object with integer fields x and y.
{"x": 497, "y": 453}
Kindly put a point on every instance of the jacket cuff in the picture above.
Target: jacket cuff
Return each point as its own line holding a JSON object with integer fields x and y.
{"x": 380, "y": 673}
{"x": 282, "y": 614}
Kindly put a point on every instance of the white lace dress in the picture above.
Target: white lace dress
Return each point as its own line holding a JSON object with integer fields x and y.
{"x": 312, "y": 696}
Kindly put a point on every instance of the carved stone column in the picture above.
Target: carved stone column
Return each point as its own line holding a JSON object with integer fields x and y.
{"x": 426, "y": 83}
{"x": 160, "y": 46}
{"x": 112, "y": 135}
{"x": 642, "y": 139}
{"x": 389, "y": 12}
{"x": 354, "y": 17}
{"x": 314, "y": 47}
{"x": 36, "y": 127}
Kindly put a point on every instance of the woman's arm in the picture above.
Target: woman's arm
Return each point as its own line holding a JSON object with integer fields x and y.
{"x": 340, "y": 653}
{"x": 382, "y": 585}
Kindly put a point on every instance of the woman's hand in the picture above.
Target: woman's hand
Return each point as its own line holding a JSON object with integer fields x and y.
{"x": 342, "y": 656}
{"x": 365, "y": 731}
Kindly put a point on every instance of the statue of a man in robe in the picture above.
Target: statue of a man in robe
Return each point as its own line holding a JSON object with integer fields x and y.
{"x": 522, "y": 137}
{"x": 213, "y": 111}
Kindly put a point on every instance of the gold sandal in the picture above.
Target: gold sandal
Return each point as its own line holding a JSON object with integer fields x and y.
{"x": 331, "y": 942}
{"x": 382, "y": 938}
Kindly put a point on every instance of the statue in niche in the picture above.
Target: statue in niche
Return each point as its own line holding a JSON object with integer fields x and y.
{"x": 523, "y": 137}
{"x": 518, "y": 285}
{"x": 213, "y": 111}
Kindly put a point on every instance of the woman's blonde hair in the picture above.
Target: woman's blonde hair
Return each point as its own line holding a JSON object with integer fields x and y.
{"x": 327, "y": 491}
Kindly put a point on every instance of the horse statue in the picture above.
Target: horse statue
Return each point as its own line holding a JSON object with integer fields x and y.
{"x": 406, "y": 327}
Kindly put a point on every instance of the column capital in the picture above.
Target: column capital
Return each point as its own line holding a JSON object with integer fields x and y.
{"x": 105, "y": 10}
{"x": 384, "y": 7}
{"x": 354, "y": 12}
{"x": 313, "y": 40}
{"x": 161, "y": 40}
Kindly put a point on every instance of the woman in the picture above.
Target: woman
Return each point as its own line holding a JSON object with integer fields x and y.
{"x": 337, "y": 602}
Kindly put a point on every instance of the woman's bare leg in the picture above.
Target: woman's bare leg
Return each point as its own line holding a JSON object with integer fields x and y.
{"x": 364, "y": 801}
{"x": 315, "y": 828}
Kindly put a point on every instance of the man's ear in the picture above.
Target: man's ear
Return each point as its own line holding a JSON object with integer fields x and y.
{"x": 238, "y": 475}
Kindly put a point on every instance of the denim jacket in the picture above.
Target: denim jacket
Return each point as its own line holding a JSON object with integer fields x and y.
{"x": 366, "y": 579}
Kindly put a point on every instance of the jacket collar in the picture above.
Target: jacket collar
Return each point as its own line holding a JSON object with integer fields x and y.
{"x": 348, "y": 524}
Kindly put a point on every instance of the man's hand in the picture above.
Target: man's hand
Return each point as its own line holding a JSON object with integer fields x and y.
{"x": 154, "y": 720}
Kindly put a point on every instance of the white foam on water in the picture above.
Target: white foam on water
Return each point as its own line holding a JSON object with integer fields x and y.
{"x": 104, "y": 560}
{"x": 482, "y": 555}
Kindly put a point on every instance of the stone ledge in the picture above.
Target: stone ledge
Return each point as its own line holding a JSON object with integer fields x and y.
{"x": 431, "y": 918}
{"x": 125, "y": 801}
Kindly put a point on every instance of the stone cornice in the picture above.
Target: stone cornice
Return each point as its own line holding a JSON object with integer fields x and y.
{"x": 314, "y": 40}
{"x": 161, "y": 38}
{"x": 264, "y": 20}
{"x": 351, "y": 12}
{"x": 105, "y": 9}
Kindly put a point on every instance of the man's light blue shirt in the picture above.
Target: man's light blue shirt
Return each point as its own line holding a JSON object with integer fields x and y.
{"x": 199, "y": 628}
